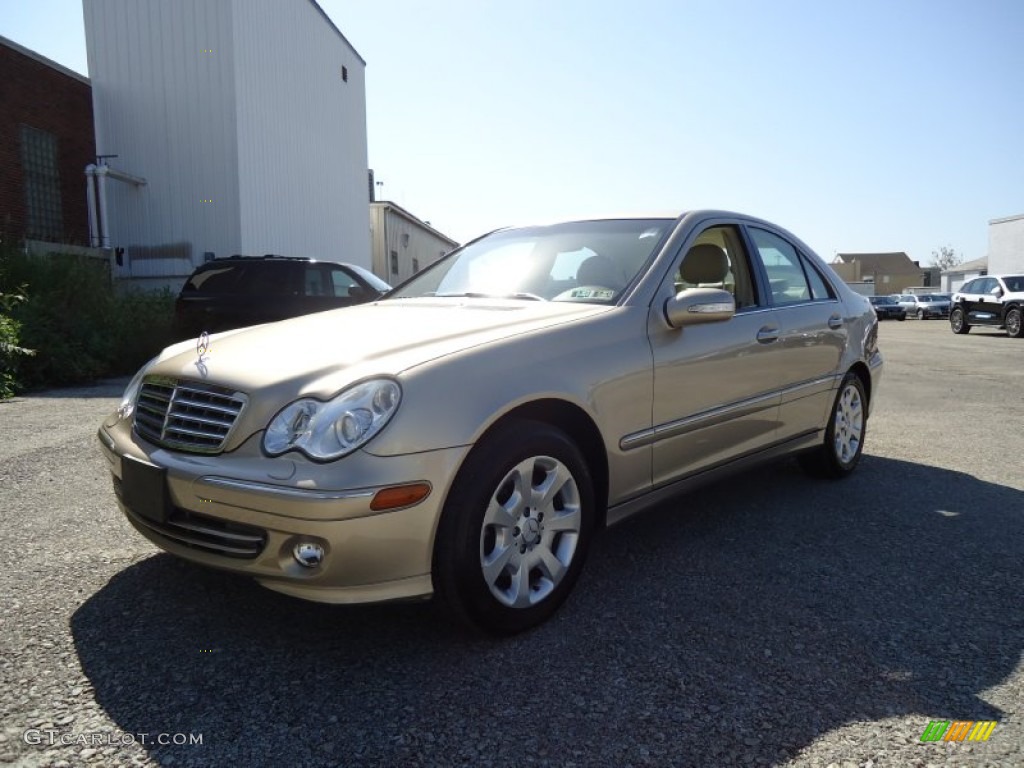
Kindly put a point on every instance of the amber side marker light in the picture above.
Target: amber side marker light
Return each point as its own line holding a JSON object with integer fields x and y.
{"x": 399, "y": 496}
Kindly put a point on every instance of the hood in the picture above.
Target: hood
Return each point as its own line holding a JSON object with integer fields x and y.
{"x": 320, "y": 354}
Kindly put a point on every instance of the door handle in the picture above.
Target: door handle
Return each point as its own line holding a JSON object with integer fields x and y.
{"x": 767, "y": 335}
{"x": 835, "y": 322}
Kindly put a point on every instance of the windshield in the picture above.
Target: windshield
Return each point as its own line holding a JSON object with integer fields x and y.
{"x": 586, "y": 261}
{"x": 882, "y": 300}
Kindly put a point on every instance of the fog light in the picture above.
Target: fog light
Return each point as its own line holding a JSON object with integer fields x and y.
{"x": 308, "y": 554}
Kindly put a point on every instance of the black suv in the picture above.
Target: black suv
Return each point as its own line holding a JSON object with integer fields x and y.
{"x": 995, "y": 300}
{"x": 247, "y": 290}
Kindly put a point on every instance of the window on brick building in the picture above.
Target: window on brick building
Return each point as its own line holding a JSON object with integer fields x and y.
{"x": 44, "y": 219}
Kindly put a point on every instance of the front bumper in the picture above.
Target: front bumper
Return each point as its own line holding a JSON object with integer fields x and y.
{"x": 245, "y": 512}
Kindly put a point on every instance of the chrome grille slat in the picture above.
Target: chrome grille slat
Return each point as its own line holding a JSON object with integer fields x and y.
{"x": 181, "y": 402}
{"x": 219, "y": 538}
{"x": 241, "y": 538}
{"x": 187, "y": 416}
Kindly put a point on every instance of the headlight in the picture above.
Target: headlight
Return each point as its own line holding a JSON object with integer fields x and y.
{"x": 330, "y": 430}
{"x": 131, "y": 392}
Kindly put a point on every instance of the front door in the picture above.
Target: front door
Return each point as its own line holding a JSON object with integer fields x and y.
{"x": 716, "y": 385}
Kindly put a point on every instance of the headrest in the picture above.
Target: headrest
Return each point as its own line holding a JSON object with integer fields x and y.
{"x": 704, "y": 263}
{"x": 600, "y": 270}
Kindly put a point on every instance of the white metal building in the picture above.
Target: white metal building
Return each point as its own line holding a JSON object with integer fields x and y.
{"x": 246, "y": 119}
{"x": 1006, "y": 246}
{"x": 402, "y": 243}
{"x": 956, "y": 276}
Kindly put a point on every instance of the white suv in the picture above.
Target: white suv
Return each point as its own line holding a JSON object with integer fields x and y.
{"x": 995, "y": 300}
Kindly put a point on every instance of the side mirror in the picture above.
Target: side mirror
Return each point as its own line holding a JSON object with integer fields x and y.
{"x": 997, "y": 292}
{"x": 696, "y": 306}
{"x": 358, "y": 292}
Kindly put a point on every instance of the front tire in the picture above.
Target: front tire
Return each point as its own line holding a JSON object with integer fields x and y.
{"x": 515, "y": 529}
{"x": 843, "y": 444}
{"x": 958, "y": 321}
{"x": 1012, "y": 321}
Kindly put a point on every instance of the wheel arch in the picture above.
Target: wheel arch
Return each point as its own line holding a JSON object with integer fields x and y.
{"x": 577, "y": 424}
{"x": 862, "y": 372}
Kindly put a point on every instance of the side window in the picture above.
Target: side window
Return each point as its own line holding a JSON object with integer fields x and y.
{"x": 786, "y": 278}
{"x": 985, "y": 285}
{"x": 265, "y": 279}
{"x": 314, "y": 282}
{"x": 820, "y": 289}
{"x": 717, "y": 259}
{"x": 342, "y": 283}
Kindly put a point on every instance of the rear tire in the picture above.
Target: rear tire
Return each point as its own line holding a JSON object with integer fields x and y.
{"x": 958, "y": 321}
{"x": 843, "y": 444}
{"x": 1013, "y": 324}
{"x": 515, "y": 529}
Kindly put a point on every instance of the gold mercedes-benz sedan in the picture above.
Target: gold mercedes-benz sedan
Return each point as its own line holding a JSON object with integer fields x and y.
{"x": 470, "y": 433}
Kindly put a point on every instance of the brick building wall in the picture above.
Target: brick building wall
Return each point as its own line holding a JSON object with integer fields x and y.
{"x": 56, "y": 106}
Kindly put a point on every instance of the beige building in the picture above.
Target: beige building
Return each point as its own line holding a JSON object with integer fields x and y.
{"x": 890, "y": 272}
{"x": 401, "y": 244}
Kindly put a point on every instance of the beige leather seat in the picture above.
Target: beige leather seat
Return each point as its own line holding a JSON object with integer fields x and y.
{"x": 705, "y": 265}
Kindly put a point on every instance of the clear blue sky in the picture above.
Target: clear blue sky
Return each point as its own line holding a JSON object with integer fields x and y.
{"x": 873, "y": 125}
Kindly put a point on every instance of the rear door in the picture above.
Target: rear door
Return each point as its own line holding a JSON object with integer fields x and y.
{"x": 812, "y": 332}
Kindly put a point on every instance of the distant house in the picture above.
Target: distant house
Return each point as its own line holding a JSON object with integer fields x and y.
{"x": 1006, "y": 245}
{"x": 890, "y": 272}
{"x": 402, "y": 244}
{"x": 46, "y": 140}
{"x": 953, "y": 278}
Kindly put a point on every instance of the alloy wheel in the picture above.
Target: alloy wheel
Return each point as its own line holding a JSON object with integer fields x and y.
{"x": 530, "y": 531}
{"x": 1013, "y": 322}
{"x": 849, "y": 424}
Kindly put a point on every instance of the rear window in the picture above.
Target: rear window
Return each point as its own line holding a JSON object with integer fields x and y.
{"x": 213, "y": 279}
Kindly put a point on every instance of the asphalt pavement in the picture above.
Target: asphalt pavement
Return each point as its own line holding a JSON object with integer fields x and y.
{"x": 766, "y": 620}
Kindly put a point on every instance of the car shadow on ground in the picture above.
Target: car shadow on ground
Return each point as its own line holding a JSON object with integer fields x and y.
{"x": 734, "y": 625}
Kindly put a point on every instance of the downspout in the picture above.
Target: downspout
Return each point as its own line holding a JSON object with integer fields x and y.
{"x": 101, "y": 183}
{"x": 101, "y": 173}
{"x": 90, "y": 196}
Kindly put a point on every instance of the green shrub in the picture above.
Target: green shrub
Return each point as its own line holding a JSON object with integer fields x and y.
{"x": 10, "y": 351}
{"x": 80, "y": 328}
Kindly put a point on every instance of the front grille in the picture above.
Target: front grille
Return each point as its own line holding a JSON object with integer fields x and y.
{"x": 185, "y": 415}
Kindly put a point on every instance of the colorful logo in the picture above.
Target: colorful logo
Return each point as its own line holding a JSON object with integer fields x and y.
{"x": 958, "y": 730}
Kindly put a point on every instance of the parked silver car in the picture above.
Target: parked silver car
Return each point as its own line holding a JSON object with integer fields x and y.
{"x": 469, "y": 434}
{"x": 925, "y": 305}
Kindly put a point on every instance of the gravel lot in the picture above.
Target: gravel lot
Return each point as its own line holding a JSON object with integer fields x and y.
{"x": 770, "y": 620}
